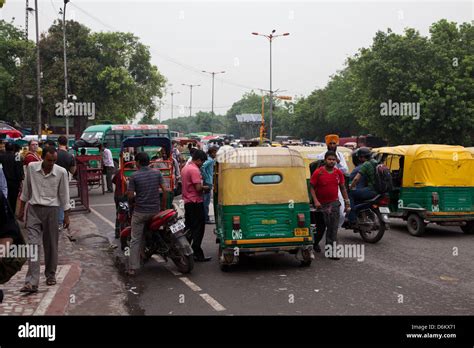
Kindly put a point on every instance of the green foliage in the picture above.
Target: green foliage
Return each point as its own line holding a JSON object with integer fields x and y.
{"x": 112, "y": 70}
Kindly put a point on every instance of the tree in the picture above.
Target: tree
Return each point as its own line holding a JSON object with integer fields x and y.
{"x": 15, "y": 53}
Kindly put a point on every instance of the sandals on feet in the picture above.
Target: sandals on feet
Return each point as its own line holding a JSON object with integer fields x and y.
{"x": 29, "y": 288}
{"x": 50, "y": 281}
{"x": 131, "y": 273}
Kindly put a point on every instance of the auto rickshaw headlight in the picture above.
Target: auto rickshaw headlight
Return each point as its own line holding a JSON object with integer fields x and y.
{"x": 236, "y": 222}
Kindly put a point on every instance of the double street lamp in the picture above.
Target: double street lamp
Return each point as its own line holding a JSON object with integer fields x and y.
{"x": 213, "y": 73}
{"x": 270, "y": 38}
{"x": 190, "y": 96}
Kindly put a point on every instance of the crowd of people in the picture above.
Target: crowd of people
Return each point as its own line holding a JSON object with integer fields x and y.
{"x": 34, "y": 187}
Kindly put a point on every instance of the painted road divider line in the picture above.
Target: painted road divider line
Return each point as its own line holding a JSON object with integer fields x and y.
{"x": 103, "y": 218}
{"x": 214, "y": 304}
{"x": 189, "y": 283}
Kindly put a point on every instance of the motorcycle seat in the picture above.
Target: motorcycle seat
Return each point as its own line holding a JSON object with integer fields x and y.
{"x": 159, "y": 219}
{"x": 372, "y": 200}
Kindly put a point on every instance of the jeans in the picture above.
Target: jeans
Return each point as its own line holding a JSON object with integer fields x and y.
{"x": 60, "y": 216}
{"x": 357, "y": 196}
{"x": 194, "y": 220}
{"x": 206, "y": 201}
{"x": 137, "y": 242}
{"x": 330, "y": 215}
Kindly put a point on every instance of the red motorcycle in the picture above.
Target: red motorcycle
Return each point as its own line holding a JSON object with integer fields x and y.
{"x": 165, "y": 235}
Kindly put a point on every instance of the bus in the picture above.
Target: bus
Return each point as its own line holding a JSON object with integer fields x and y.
{"x": 114, "y": 134}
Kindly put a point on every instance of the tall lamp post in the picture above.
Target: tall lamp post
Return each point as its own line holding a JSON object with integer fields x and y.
{"x": 38, "y": 71}
{"x": 270, "y": 38}
{"x": 65, "y": 69}
{"x": 213, "y": 73}
{"x": 172, "y": 105}
{"x": 190, "y": 96}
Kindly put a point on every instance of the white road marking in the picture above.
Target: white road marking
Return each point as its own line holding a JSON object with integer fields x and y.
{"x": 49, "y": 297}
{"x": 103, "y": 218}
{"x": 208, "y": 298}
{"x": 214, "y": 304}
{"x": 189, "y": 283}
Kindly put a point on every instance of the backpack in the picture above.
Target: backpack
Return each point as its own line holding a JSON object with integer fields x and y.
{"x": 383, "y": 178}
{"x": 315, "y": 165}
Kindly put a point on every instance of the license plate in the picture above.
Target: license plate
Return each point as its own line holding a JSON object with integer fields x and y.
{"x": 177, "y": 226}
{"x": 384, "y": 210}
{"x": 301, "y": 232}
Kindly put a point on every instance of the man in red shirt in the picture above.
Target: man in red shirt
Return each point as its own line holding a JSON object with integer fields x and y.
{"x": 193, "y": 190}
{"x": 325, "y": 184}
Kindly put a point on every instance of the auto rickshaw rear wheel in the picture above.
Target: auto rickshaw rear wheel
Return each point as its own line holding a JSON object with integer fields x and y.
{"x": 306, "y": 253}
{"x": 224, "y": 264}
{"x": 416, "y": 225}
{"x": 468, "y": 228}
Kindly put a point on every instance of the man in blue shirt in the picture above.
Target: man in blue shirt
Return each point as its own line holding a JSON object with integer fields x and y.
{"x": 207, "y": 172}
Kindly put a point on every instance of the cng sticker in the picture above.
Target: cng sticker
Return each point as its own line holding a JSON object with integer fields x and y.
{"x": 236, "y": 234}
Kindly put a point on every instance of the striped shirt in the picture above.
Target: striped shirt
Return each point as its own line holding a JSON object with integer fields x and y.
{"x": 146, "y": 184}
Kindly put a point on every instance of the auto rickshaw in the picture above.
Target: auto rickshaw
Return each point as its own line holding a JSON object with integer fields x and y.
{"x": 153, "y": 146}
{"x": 432, "y": 184}
{"x": 471, "y": 150}
{"x": 261, "y": 204}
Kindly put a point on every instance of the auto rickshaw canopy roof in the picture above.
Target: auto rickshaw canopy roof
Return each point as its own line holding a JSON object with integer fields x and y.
{"x": 250, "y": 157}
{"x": 147, "y": 141}
{"x": 434, "y": 164}
{"x": 239, "y": 168}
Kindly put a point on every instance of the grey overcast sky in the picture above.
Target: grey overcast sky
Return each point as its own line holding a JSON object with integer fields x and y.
{"x": 187, "y": 37}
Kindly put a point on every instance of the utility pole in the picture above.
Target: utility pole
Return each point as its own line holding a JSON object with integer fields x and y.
{"x": 213, "y": 73}
{"x": 190, "y": 96}
{"x": 270, "y": 38}
{"x": 172, "y": 94}
{"x": 38, "y": 74}
{"x": 65, "y": 70}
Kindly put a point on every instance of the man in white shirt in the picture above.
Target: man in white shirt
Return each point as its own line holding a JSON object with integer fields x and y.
{"x": 109, "y": 167}
{"x": 46, "y": 187}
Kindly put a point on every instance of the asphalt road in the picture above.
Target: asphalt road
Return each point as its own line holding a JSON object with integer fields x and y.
{"x": 400, "y": 275}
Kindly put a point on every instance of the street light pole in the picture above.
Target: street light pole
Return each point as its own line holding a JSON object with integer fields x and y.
{"x": 270, "y": 38}
{"x": 65, "y": 69}
{"x": 172, "y": 93}
{"x": 213, "y": 73}
{"x": 190, "y": 96}
{"x": 38, "y": 73}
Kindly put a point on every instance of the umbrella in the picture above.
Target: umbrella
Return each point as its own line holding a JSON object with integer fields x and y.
{"x": 10, "y": 131}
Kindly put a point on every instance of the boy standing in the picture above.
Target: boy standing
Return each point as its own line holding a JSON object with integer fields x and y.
{"x": 325, "y": 184}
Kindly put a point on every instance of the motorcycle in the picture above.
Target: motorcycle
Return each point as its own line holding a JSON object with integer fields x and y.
{"x": 165, "y": 235}
{"x": 372, "y": 218}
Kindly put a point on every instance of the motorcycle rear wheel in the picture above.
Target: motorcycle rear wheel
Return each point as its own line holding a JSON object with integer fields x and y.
{"x": 184, "y": 263}
{"x": 373, "y": 236}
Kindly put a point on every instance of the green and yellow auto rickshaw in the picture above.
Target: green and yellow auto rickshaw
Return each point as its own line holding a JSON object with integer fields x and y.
{"x": 153, "y": 146}
{"x": 433, "y": 184}
{"x": 261, "y": 204}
